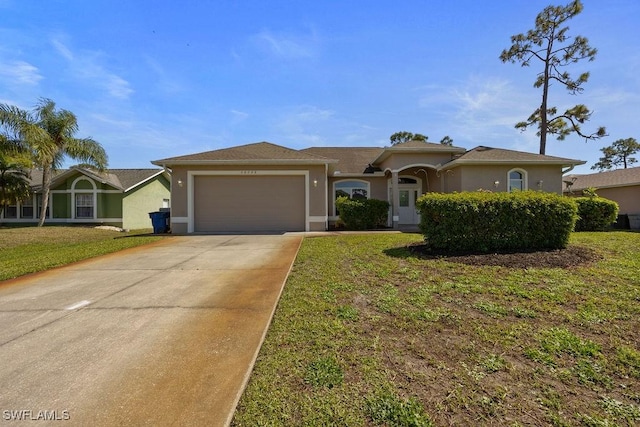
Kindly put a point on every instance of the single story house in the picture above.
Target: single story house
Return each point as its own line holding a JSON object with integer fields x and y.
{"x": 621, "y": 186}
{"x": 119, "y": 197}
{"x": 263, "y": 187}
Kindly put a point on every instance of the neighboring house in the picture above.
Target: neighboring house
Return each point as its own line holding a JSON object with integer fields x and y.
{"x": 267, "y": 187}
{"x": 621, "y": 186}
{"x": 119, "y": 197}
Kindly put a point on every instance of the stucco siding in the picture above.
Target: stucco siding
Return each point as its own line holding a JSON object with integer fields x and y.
{"x": 399, "y": 161}
{"x": 628, "y": 198}
{"x": 146, "y": 198}
{"x": 473, "y": 178}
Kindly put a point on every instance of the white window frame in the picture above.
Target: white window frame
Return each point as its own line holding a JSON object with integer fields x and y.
{"x": 93, "y": 191}
{"x": 366, "y": 185}
{"x": 524, "y": 179}
{"x": 87, "y": 199}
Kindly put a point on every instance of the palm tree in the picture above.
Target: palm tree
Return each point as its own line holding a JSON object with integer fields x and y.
{"x": 14, "y": 174}
{"x": 49, "y": 135}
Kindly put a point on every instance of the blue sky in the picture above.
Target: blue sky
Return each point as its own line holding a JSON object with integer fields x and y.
{"x": 155, "y": 79}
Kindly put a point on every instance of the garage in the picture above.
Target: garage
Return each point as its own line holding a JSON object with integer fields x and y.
{"x": 249, "y": 203}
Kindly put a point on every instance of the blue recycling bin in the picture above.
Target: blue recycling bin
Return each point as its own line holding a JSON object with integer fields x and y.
{"x": 160, "y": 222}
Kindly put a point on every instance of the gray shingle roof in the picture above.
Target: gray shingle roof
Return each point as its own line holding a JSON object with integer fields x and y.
{"x": 614, "y": 178}
{"x": 354, "y": 160}
{"x": 489, "y": 155}
{"x": 350, "y": 159}
{"x": 259, "y": 151}
{"x": 122, "y": 179}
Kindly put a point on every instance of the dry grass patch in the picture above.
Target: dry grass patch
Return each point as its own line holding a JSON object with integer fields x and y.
{"x": 413, "y": 340}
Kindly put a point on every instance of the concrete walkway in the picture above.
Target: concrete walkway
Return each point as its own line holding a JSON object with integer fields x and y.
{"x": 165, "y": 334}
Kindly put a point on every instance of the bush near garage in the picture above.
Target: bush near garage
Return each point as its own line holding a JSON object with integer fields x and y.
{"x": 363, "y": 214}
{"x": 595, "y": 213}
{"x": 486, "y": 222}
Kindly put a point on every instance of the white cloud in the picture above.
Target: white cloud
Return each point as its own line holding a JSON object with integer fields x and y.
{"x": 479, "y": 111}
{"x": 239, "y": 115}
{"x": 287, "y": 46}
{"x": 165, "y": 82}
{"x": 20, "y": 72}
{"x": 303, "y": 125}
{"x": 87, "y": 66}
{"x": 63, "y": 50}
{"x": 302, "y": 117}
{"x": 117, "y": 86}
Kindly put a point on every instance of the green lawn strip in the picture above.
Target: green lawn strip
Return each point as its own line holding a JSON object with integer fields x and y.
{"x": 368, "y": 334}
{"x": 31, "y": 249}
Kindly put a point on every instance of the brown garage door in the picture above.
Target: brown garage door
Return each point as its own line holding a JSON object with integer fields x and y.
{"x": 249, "y": 203}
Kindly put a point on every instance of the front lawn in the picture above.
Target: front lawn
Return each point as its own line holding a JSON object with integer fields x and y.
{"x": 26, "y": 250}
{"x": 368, "y": 332}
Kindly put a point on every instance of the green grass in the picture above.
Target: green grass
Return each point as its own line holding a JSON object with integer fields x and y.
{"x": 368, "y": 334}
{"x": 25, "y": 250}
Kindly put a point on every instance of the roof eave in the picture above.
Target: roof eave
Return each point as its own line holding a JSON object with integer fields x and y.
{"x": 459, "y": 162}
{"x": 356, "y": 175}
{"x": 169, "y": 162}
{"x": 160, "y": 172}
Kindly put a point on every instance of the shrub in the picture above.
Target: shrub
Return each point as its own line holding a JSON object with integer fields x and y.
{"x": 363, "y": 214}
{"x": 485, "y": 221}
{"x": 595, "y": 213}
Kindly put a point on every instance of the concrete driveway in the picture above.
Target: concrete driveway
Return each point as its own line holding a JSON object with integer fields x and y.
{"x": 165, "y": 334}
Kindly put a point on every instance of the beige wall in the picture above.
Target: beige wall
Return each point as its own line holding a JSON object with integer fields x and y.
{"x": 399, "y": 161}
{"x": 473, "y": 178}
{"x": 451, "y": 180}
{"x": 628, "y": 198}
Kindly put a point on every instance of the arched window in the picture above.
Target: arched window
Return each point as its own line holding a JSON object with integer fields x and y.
{"x": 84, "y": 198}
{"x": 353, "y": 189}
{"x": 517, "y": 179}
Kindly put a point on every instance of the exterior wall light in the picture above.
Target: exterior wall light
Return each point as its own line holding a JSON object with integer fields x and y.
{"x": 540, "y": 184}
{"x": 315, "y": 182}
{"x": 496, "y": 183}
{"x": 179, "y": 183}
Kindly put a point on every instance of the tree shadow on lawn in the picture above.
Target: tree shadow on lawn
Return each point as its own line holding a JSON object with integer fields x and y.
{"x": 572, "y": 256}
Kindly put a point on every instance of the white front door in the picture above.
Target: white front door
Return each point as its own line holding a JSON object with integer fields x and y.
{"x": 407, "y": 211}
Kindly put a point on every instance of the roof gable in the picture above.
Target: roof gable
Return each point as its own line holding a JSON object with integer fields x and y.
{"x": 121, "y": 179}
{"x": 423, "y": 145}
{"x": 416, "y": 147}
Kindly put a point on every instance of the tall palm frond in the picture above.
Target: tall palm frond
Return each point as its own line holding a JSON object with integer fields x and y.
{"x": 14, "y": 180}
{"x": 49, "y": 135}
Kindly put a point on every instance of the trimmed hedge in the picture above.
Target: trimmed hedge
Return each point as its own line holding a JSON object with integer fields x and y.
{"x": 486, "y": 221}
{"x": 595, "y": 213}
{"x": 363, "y": 214}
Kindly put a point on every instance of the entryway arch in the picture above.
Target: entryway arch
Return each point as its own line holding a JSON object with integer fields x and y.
{"x": 409, "y": 189}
